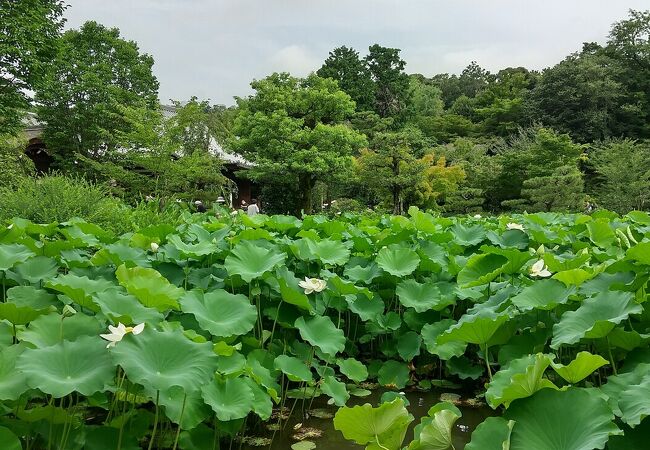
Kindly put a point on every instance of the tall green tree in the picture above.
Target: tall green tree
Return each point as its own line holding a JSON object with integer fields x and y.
{"x": 295, "y": 132}
{"x": 344, "y": 65}
{"x": 622, "y": 168}
{"x": 28, "y": 33}
{"x": 93, "y": 73}
{"x": 392, "y": 85}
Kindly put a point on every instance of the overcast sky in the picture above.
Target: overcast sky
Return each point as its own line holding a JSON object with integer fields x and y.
{"x": 214, "y": 48}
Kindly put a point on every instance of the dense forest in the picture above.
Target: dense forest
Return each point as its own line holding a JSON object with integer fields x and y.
{"x": 360, "y": 132}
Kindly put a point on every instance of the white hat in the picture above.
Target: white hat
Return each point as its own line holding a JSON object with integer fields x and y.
{"x": 220, "y": 199}
{"x": 197, "y": 202}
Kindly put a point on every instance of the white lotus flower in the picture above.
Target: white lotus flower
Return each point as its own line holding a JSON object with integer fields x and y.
{"x": 312, "y": 285}
{"x": 154, "y": 247}
{"x": 539, "y": 269}
{"x": 514, "y": 226}
{"x": 117, "y": 333}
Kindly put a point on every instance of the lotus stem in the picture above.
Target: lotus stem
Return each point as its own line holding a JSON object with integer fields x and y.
{"x": 275, "y": 321}
{"x": 155, "y": 422}
{"x": 379, "y": 444}
{"x": 180, "y": 420}
{"x": 487, "y": 361}
{"x": 611, "y": 357}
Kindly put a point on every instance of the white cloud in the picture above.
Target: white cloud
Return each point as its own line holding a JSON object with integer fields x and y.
{"x": 295, "y": 59}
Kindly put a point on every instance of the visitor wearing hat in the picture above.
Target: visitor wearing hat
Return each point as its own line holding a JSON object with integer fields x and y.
{"x": 200, "y": 207}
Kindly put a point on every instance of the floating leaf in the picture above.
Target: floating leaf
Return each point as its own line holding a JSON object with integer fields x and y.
{"x": 221, "y": 313}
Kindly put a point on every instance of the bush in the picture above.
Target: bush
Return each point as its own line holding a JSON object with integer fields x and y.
{"x": 58, "y": 198}
{"x": 14, "y": 164}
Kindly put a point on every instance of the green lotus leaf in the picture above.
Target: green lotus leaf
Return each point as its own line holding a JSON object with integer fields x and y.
{"x": 475, "y": 328}
{"x": 617, "y": 384}
{"x": 543, "y": 294}
{"x": 329, "y": 251}
{"x": 230, "y": 398}
{"x": 639, "y": 252}
{"x": 353, "y": 369}
{"x": 21, "y": 315}
{"x": 334, "y": 389}
{"x": 197, "y": 251}
{"x": 120, "y": 307}
{"x": 581, "y": 367}
{"x": 491, "y": 434}
{"x": 363, "y": 274}
{"x": 464, "y": 369}
{"x": 468, "y": 236}
{"x": 10, "y": 254}
{"x": 321, "y": 332}
{"x": 398, "y": 261}
{"x": 382, "y": 428}
{"x": 295, "y": 369}
{"x": 32, "y": 297}
{"x": 575, "y": 419}
{"x": 163, "y": 359}
{"x": 120, "y": 253}
{"x": 519, "y": 379}
{"x": 595, "y": 317}
{"x": 36, "y": 270}
{"x": 368, "y": 309}
{"x": 83, "y": 366}
{"x": 200, "y": 438}
{"x": 434, "y": 430}
{"x": 408, "y": 345}
{"x": 293, "y": 296}
{"x": 303, "y": 445}
{"x": 481, "y": 268}
{"x": 221, "y": 313}
{"x": 188, "y": 410}
{"x": 627, "y": 340}
{"x": 80, "y": 289}
{"x": 149, "y": 287}
{"x": 423, "y": 296}
{"x": 51, "y": 329}
{"x": 634, "y": 402}
{"x": 231, "y": 364}
{"x": 601, "y": 233}
{"x": 9, "y": 440}
{"x": 12, "y": 386}
{"x": 633, "y": 439}
{"x": 430, "y": 333}
{"x": 262, "y": 404}
{"x": 393, "y": 374}
{"x": 105, "y": 437}
{"x": 251, "y": 261}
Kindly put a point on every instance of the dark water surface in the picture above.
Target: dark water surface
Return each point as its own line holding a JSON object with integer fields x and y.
{"x": 332, "y": 439}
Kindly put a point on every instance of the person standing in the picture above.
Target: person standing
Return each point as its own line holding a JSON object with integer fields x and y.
{"x": 253, "y": 209}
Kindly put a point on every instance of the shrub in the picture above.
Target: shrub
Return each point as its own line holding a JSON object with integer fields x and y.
{"x": 14, "y": 164}
{"x": 58, "y": 198}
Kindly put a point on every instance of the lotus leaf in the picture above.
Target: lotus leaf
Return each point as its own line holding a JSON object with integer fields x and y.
{"x": 149, "y": 287}
{"x": 334, "y": 389}
{"x": 393, "y": 374}
{"x": 353, "y": 369}
{"x": 430, "y": 334}
{"x": 163, "y": 359}
{"x": 575, "y": 419}
{"x": 262, "y": 404}
{"x": 120, "y": 307}
{"x": 230, "y": 399}
{"x": 543, "y": 295}
{"x": 634, "y": 402}
{"x": 11, "y": 385}
{"x": 475, "y": 328}
{"x": 408, "y": 345}
{"x": 423, "y": 296}
{"x": 80, "y": 289}
{"x": 520, "y": 379}
{"x": 382, "y": 428}
{"x": 321, "y": 332}
{"x": 294, "y": 368}
{"x": 10, "y": 254}
{"x": 491, "y": 434}
{"x": 9, "y": 440}
{"x": 434, "y": 430}
{"x": 398, "y": 261}
{"x": 83, "y": 366}
{"x": 481, "y": 269}
{"x": 51, "y": 329}
{"x": 36, "y": 270}
{"x": 595, "y": 318}
{"x": 251, "y": 261}
{"x": 221, "y": 313}
{"x": 581, "y": 367}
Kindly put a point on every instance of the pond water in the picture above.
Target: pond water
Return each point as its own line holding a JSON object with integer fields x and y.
{"x": 332, "y": 439}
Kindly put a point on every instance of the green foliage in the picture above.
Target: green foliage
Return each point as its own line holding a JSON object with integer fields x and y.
{"x": 14, "y": 164}
{"x": 57, "y": 198}
{"x": 344, "y": 65}
{"x": 293, "y": 130}
{"x": 29, "y": 30}
{"x": 93, "y": 74}
{"x": 392, "y": 87}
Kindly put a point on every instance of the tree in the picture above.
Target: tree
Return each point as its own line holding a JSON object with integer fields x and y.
{"x": 189, "y": 130}
{"x": 622, "y": 170}
{"x": 391, "y": 167}
{"x": 294, "y": 131}
{"x": 440, "y": 181}
{"x": 578, "y": 96}
{"x": 93, "y": 73}
{"x": 392, "y": 86}
{"x": 14, "y": 164}
{"x": 344, "y": 65}
{"x": 425, "y": 98}
{"x": 28, "y": 33}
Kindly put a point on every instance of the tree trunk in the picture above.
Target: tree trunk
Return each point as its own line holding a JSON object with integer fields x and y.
{"x": 397, "y": 189}
{"x": 306, "y": 187}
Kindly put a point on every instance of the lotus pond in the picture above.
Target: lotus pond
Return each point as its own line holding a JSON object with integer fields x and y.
{"x": 526, "y": 332}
